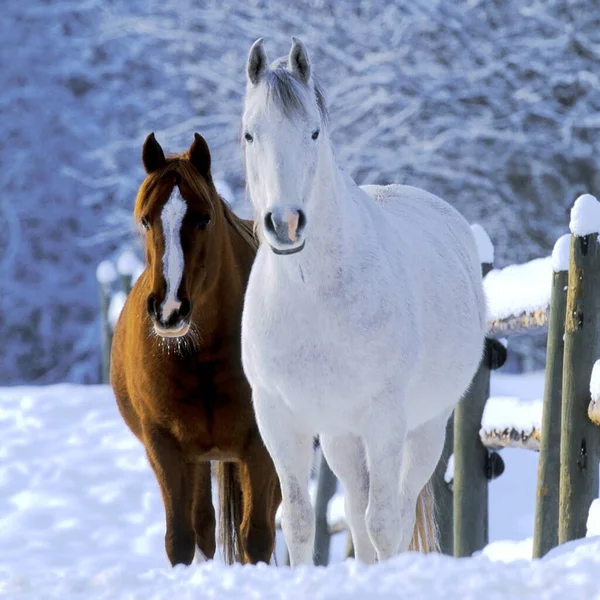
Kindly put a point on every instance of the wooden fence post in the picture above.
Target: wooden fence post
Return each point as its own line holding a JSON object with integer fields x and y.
{"x": 580, "y": 440}
{"x": 443, "y": 494}
{"x": 106, "y": 275}
{"x": 545, "y": 535}
{"x": 127, "y": 264}
{"x": 326, "y": 486}
{"x": 470, "y": 461}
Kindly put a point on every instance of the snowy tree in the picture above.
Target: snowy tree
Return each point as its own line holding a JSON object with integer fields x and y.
{"x": 491, "y": 104}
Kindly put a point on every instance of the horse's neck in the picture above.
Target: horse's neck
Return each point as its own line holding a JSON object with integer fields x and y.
{"x": 334, "y": 231}
{"x": 218, "y": 305}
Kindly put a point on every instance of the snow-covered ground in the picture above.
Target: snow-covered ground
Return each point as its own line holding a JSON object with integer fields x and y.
{"x": 81, "y": 517}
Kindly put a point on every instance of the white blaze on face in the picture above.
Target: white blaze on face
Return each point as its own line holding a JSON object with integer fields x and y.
{"x": 172, "y": 218}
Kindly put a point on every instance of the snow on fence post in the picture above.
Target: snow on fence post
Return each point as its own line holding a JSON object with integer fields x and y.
{"x": 127, "y": 267}
{"x": 546, "y": 511}
{"x": 580, "y": 440}
{"x": 106, "y": 275}
{"x": 470, "y": 489}
{"x": 326, "y": 486}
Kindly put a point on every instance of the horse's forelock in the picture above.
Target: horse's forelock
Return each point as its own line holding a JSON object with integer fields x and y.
{"x": 201, "y": 189}
{"x": 199, "y": 185}
{"x": 289, "y": 94}
{"x": 181, "y": 166}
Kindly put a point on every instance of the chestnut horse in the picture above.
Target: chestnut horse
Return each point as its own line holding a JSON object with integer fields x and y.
{"x": 176, "y": 363}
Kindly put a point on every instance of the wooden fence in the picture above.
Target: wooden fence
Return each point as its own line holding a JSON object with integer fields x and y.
{"x": 566, "y": 437}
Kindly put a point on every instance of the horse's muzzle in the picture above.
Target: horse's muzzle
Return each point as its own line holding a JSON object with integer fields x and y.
{"x": 284, "y": 228}
{"x": 177, "y": 323}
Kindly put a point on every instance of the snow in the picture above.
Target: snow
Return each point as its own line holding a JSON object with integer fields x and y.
{"x": 138, "y": 271}
{"x": 335, "y": 510}
{"x": 82, "y": 517}
{"x": 225, "y": 191}
{"x": 408, "y": 576}
{"x": 561, "y": 253}
{"x": 519, "y": 288}
{"x": 106, "y": 272}
{"x": 595, "y": 382}
{"x": 593, "y": 522}
{"x": 449, "y": 474}
{"x": 117, "y": 302}
{"x": 128, "y": 263}
{"x": 512, "y": 496}
{"x": 495, "y": 106}
{"x": 484, "y": 244}
{"x": 505, "y": 412}
{"x": 508, "y": 551}
{"x": 570, "y": 551}
{"x": 585, "y": 216}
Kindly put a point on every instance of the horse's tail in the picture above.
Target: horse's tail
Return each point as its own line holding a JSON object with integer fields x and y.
{"x": 425, "y": 535}
{"x": 230, "y": 511}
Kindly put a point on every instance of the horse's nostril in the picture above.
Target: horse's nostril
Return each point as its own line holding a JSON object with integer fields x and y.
{"x": 185, "y": 308}
{"x": 152, "y": 306}
{"x": 301, "y": 221}
{"x": 269, "y": 223}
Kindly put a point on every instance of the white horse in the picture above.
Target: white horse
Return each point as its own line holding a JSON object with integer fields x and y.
{"x": 364, "y": 316}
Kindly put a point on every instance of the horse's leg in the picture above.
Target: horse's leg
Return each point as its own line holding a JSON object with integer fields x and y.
{"x": 347, "y": 459}
{"x": 174, "y": 477}
{"x": 384, "y": 435}
{"x": 203, "y": 511}
{"x": 257, "y": 477}
{"x": 422, "y": 453}
{"x": 275, "y": 501}
{"x": 291, "y": 450}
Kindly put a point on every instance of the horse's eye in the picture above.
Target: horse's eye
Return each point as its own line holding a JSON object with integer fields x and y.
{"x": 248, "y": 137}
{"x": 202, "y": 221}
{"x": 315, "y": 134}
{"x": 145, "y": 223}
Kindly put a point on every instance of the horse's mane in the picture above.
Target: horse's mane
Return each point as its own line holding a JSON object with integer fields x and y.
{"x": 201, "y": 187}
{"x": 288, "y": 93}
{"x": 243, "y": 227}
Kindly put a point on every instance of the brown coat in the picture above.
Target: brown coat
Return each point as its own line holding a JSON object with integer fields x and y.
{"x": 187, "y": 400}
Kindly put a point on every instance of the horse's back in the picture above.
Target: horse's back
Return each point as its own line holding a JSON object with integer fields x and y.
{"x": 441, "y": 268}
{"x": 431, "y": 231}
{"x": 424, "y": 213}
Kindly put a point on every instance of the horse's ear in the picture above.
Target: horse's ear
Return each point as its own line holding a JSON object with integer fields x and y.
{"x": 257, "y": 61}
{"x": 200, "y": 155}
{"x": 153, "y": 156}
{"x": 298, "y": 61}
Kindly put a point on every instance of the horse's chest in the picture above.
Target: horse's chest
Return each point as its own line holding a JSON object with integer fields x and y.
{"x": 206, "y": 412}
{"x": 316, "y": 353}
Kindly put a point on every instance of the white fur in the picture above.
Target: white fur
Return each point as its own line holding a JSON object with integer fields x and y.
{"x": 172, "y": 218}
{"x": 368, "y": 336}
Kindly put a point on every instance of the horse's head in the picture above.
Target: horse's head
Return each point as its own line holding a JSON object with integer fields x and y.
{"x": 174, "y": 207}
{"x": 283, "y": 135}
